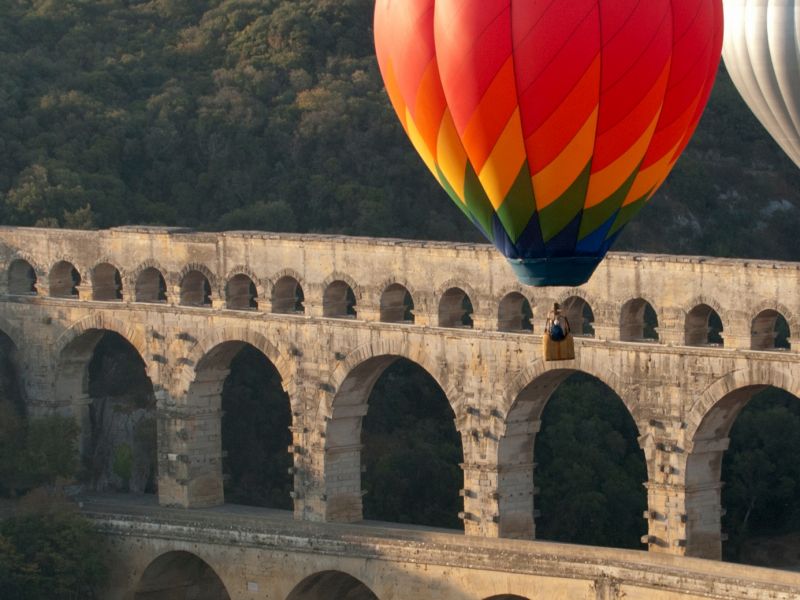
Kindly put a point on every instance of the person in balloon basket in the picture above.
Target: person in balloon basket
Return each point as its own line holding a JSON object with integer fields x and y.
{"x": 558, "y": 344}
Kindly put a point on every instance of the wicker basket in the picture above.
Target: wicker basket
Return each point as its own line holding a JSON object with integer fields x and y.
{"x": 563, "y": 350}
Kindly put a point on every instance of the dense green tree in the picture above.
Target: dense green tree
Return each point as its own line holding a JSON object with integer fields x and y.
{"x": 761, "y": 471}
{"x": 590, "y": 470}
{"x": 53, "y": 556}
{"x": 255, "y": 433}
{"x": 412, "y": 451}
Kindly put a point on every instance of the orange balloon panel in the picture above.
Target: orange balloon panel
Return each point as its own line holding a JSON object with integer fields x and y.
{"x": 549, "y": 122}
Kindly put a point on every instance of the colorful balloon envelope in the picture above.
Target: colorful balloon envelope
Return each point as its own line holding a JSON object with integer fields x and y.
{"x": 550, "y": 123}
{"x": 761, "y": 54}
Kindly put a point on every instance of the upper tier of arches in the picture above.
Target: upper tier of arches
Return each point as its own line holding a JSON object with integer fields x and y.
{"x": 455, "y": 305}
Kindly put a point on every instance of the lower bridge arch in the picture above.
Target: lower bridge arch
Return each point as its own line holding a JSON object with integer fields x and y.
{"x": 180, "y": 575}
{"x": 331, "y": 585}
{"x": 568, "y": 480}
{"x": 343, "y": 418}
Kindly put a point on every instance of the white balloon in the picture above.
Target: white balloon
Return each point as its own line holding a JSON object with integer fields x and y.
{"x": 762, "y": 56}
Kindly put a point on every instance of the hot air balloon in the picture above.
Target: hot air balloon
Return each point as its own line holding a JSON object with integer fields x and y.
{"x": 761, "y": 54}
{"x": 550, "y": 123}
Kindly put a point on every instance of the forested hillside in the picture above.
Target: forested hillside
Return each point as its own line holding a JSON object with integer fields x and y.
{"x": 270, "y": 114}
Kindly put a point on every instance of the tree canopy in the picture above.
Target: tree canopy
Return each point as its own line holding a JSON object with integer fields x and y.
{"x": 270, "y": 114}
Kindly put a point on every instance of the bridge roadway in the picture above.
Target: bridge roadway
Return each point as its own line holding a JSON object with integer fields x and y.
{"x": 263, "y": 554}
{"x": 684, "y": 342}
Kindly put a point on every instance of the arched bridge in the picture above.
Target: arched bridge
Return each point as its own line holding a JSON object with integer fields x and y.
{"x": 684, "y": 341}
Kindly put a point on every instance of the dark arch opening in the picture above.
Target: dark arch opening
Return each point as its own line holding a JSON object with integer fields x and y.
{"x": 397, "y": 305}
{"x": 770, "y": 331}
{"x": 580, "y": 316}
{"x": 64, "y": 280}
{"x": 151, "y": 286}
{"x": 590, "y": 471}
{"x": 106, "y": 283}
{"x": 195, "y": 290}
{"x": 455, "y": 309}
{"x": 759, "y": 477}
{"x": 514, "y": 313}
{"x": 122, "y": 451}
{"x": 255, "y": 425}
{"x": 331, "y": 585}
{"x": 703, "y": 327}
{"x": 287, "y": 296}
{"x": 180, "y": 576}
{"x": 241, "y": 293}
{"x": 412, "y": 450}
{"x": 12, "y": 412}
{"x": 507, "y": 597}
{"x": 638, "y": 322}
{"x": 21, "y": 278}
{"x": 339, "y": 301}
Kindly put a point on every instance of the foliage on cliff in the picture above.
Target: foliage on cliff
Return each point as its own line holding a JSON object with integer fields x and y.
{"x": 270, "y": 114}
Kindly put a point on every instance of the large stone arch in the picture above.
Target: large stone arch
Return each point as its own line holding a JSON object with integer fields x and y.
{"x": 195, "y": 427}
{"x": 708, "y": 425}
{"x": 767, "y": 373}
{"x": 13, "y": 332}
{"x": 326, "y": 585}
{"x": 522, "y": 406}
{"x": 342, "y": 408}
{"x": 100, "y": 321}
{"x": 180, "y": 575}
{"x": 72, "y": 353}
{"x": 185, "y": 375}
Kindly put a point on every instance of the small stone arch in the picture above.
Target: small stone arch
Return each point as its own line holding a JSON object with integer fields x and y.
{"x": 286, "y": 292}
{"x": 397, "y": 304}
{"x": 340, "y": 276}
{"x": 703, "y": 326}
{"x": 180, "y": 574}
{"x": 22, "y": 278}
{"x": 63, "y": 279}
{"x": 326, "y": 585}
{"x": 768, "y": 320}
{"x": 149, "y": 282}
{"x": 456, "y": 307}
{"x": 507, "y": 597}
{"x": 199, "y": 267}
{"x": 340, "y": 300}
{"x": 515, "y": 313}
{"x": 241, "y": 293}
{"x": 457, "y": 283}
{"x": 196, "y": 285}
{"x": 633, "y": 325}
{"x": 106, "y": 280}
{"x": 787, "y": 313}
{"x": 578, "y": 308}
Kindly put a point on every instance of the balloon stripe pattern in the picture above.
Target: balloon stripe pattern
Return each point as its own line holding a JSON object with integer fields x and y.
{"x": 550, "y": 123}
{"x": 762, "y": 56}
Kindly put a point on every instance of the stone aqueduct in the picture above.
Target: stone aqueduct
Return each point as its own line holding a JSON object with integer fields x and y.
{"x": 331, "y": 313}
